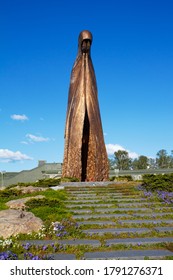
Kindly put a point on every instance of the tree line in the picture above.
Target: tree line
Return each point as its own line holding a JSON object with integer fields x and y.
{"x": 122, "y": 161}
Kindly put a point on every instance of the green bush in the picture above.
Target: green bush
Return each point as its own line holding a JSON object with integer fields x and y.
{"x": 47, "y": 182}
{"x": 10, "y": 193}
{"x": 47, "y": 209}
{"x": 69, "y": 179}
{"x": 34, "y": 203}
{"x": 113, "y": 178}
{"x": 44, "y": 183}
{"x": 158, "y": 182}
{"x": 126, "y": 178}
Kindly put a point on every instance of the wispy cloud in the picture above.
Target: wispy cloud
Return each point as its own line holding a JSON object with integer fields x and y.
{"x": 24, "y": 142}
{"x": 10, "y": 156}
{"x": 112, "y": 148}
{"x": 19, "y": 117}
{"x": 34, "y": 138}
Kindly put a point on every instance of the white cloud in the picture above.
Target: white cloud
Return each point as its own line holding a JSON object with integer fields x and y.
{"x": 112, "y": 148}
{"x": 34, "y": 138}
{"x": 9, "y": 156}
{"x": 19, "y": 117}
{"x": 24, "y": 142}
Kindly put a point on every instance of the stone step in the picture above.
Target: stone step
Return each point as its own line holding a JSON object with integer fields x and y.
{"x": 87, "y": 184}
{"x": 111, "y": 191}
{"x": 136, "y": 204}
{"x": 131, "y": 199}
{"x": 115, "y": 216}
{"x": 155, "y": 221}
{"x": 153, "y": 214}
{"x": 89, "y": 205}
{"x": 96, "y": 223}
{"x": 116, "y": 231}
{"x": 72, "y": 242}
{"x": 110, "y": 210}
{"x": 94, "y": 195}
{"x": 106, "y": 210}
{"x": 91, "y": 200}
{"x": 138, "y": 241}
{"x": 128, "y": 254}
{"x": 61, "y": 256}
{"x": 81, "y": 211}
{"x": 164, "y": 229}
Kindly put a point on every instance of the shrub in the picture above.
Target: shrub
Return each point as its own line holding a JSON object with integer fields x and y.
{"x": 47, "y": 182}
{"x": 126, "y": 178}
{"x": 69, "y": 179}
{"x": 158, "y": 182}
{"x": 113, "y": 178}
{"x": 10, "y": 193}
{"x": 34, "y": 203}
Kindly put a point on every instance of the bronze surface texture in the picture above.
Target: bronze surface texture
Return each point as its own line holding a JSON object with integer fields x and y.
{"x": 85, "y": 155}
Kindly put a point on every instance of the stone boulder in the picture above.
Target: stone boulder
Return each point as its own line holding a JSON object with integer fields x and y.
{"x": 20, "y": 203}
{"x": 13, "y": 222}
{"x": 29, "y": 189}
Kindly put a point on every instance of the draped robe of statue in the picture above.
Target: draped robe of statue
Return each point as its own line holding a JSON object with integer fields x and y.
{"x": 85, "y": 155}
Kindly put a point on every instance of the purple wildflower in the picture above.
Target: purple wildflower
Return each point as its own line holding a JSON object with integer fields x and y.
{"x": 26, "y": 246}
{"x": 44, "y": 248}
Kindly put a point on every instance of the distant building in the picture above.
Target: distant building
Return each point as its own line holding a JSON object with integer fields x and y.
{"x": 42, "y": 171}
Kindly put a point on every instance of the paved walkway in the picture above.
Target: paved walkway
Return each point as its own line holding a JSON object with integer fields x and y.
{"x": 117, "y": 223}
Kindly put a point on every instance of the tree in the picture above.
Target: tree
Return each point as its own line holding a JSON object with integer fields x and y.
{"x": 152, "y": 163}
{"x": 162, "y": 159}
{"x": 112, "y": 164}
{"x": 140, "y": 163}
{"x": 122, "y": 160}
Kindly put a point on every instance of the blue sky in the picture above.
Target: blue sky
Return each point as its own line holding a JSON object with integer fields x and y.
{"x": 132, "y": 53}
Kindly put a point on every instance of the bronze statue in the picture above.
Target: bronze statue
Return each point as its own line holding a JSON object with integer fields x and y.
{"x": 85, "y": 154}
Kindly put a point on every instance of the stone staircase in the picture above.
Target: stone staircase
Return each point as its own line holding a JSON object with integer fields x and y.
{"x": 117, "y": 222}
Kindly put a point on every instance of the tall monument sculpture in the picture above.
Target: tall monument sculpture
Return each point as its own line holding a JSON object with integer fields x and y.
{"x": 85, "y": 155}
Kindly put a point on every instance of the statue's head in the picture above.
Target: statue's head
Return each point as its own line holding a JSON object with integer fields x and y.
{"x": 85, "y": 41}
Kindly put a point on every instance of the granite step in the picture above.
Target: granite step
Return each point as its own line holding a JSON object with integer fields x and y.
{"x": 155, "y": 221}
{"x": 153, "y": 214}
{"x": 116, "y": 231}
{"x": 164, "y": 229}
{"x": 136, "y": 204}
{"x": 106, "y": 210}
{"x": 92, "y": 198}
{"x": 72, "y": 242}
{"x": 131, "y": 199}
{"x": 115, "y": 216}
{"x": 128, "y": 254}
{"x": 138, "y": 241}
{"x": 62, "y": 256}
{"x": 91, "y": 201}
{"x": 89, "y": 205}
{"x": 96, "y": 223}
{"x": 94, "y": 195}
{"x": 81, "y": 211}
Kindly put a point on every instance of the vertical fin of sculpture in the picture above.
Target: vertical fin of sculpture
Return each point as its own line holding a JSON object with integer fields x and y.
{"x": 85, "y": 154}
